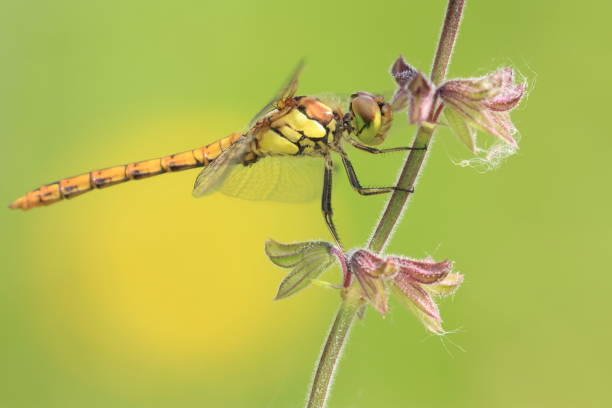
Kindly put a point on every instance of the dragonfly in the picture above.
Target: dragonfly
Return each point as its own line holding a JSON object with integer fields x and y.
{"x": 255, "y": 164}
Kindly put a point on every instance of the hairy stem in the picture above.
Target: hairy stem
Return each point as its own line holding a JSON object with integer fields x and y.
{"x": 414, "y": 162}
{"x": 452, "y": 20}
{"x": 412, "y": 166}
{"x": 333, "y": 348}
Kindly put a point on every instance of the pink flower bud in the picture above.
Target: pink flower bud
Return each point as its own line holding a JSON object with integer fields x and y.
{"x": 482, "y": 103}
{"x": 414, "y": 281}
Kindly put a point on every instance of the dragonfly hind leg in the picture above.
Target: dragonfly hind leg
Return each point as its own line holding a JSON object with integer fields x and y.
{"x": 374, "y": 150}
{"x": 366, "y": 191}
{"x": 326, "y": 205}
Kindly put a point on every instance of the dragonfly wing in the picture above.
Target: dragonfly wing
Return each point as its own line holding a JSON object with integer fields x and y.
{"x": 287, "y": 179}
{"x": 334, "y": 100}
{"x": 212, "y": 176}
{"x": 287, "y": 91}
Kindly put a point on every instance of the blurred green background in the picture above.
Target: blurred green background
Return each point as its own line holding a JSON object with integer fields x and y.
{"x": 141, "y": 296}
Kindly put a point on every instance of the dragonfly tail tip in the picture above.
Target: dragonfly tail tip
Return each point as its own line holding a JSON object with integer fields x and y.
{"x": 18, "y": 204}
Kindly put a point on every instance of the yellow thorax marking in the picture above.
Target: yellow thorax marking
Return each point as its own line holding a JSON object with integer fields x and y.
{"x": 298, "y": 121}
{"x": 308, "y": 146}
{"x": 290, "y": 133}
{"x": 272, "y": 143}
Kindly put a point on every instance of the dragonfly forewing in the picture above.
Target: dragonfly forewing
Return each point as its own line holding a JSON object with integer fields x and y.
{"x": 286, "y": 92}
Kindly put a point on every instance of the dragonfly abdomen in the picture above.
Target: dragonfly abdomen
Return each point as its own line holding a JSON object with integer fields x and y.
{"x": 73, "y": 186}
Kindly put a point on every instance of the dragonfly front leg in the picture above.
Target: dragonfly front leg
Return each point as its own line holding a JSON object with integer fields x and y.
{"x": 350, "y": 171}
{"x": 374, "y": 150}
{"x": 326, "y": 204}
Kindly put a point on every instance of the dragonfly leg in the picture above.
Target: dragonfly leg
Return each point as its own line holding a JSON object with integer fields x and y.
{"x": 374, "y": 150}
{"x": 326, "y": 205}
{"x": 366, "y": 191}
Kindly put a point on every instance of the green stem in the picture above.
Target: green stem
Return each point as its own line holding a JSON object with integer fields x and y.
{"x": 406, "y": 182}
{"x": 452, "y": 20}
{"x": 333, "y": 348}
{"x": 414, "y": 162}
{"x": 352, "y": 299}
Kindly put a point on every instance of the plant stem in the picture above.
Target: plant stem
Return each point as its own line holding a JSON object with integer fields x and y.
{"x": 396, "y": 204}
{"x": 414, "y": 162}
{"x": 333, "y": 348}
{"x": 452, "y": 20}
{"x": 406, "y": 181}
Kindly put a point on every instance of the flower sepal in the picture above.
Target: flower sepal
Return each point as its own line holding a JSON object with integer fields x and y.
{"x": 415, "y": 91}
{"x": 307, "y": 260}
{"x": 483, "y": 104}
{"x": 415, "y": 281}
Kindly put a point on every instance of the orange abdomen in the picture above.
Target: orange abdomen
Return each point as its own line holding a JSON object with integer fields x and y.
{"x": 74, "y": 186}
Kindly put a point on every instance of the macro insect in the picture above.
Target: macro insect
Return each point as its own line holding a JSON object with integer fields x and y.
{"x": 254, "y": 164}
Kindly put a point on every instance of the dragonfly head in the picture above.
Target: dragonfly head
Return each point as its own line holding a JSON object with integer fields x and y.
{"x": 371, "y": 117}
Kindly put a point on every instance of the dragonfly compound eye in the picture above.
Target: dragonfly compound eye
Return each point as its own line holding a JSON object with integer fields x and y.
{"x": 371, "y": 117}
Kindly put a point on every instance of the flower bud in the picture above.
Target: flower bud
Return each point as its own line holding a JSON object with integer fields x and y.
{"x": 482, "y": 104}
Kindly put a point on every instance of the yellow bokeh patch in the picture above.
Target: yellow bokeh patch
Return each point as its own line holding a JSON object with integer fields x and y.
{"x": 157, "y": 278}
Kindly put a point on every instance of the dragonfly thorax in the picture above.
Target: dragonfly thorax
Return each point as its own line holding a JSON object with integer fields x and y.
{"x": 309, "y": 127}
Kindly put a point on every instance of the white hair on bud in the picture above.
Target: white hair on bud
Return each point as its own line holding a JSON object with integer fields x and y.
{"x": 493, "y": 156}
{"x": 489, "y": 159}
